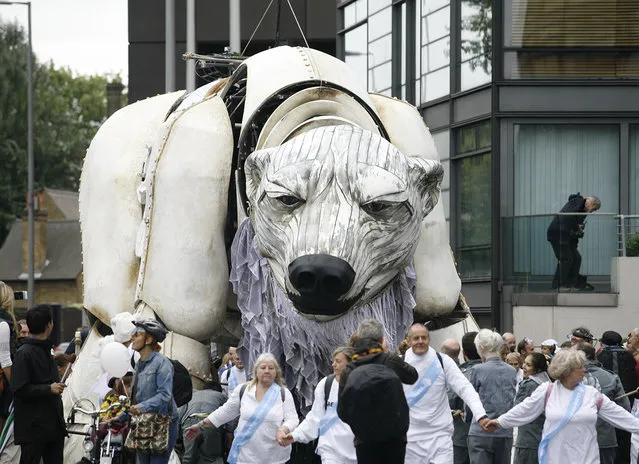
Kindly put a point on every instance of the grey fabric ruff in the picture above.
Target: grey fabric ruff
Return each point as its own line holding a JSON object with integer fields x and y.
{"x": 304, "y": 346}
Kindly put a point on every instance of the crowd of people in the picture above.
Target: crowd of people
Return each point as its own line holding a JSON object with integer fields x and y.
{"x": 487, "y": 398}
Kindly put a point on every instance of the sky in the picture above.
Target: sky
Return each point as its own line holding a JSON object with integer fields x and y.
{"x": 88, "y": 36}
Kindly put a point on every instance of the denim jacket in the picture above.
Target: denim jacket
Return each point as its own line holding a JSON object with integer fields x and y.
{"x": 495, "y": 381}
{"x": 153, "y": 383}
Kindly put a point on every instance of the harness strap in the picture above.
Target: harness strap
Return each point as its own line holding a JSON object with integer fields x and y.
{"x": 243, "y": 389}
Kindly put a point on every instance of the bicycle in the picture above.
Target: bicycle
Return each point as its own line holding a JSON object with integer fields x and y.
{"x": 109, "y": 450}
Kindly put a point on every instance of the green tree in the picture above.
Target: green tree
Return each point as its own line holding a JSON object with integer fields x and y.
{"x": 68, "y": 110}
{"x": 477, "y": 27}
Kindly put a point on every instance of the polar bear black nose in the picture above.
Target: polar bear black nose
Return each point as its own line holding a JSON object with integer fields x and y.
{"x": 321, "y": 280}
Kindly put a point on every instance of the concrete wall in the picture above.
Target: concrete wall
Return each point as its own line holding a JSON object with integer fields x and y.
{"x": 617, "y": 311}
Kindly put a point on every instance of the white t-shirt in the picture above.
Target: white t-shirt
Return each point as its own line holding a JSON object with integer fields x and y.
{"x": 430, "y": 417}
{"x": 262, "y": 444}
{"x": 576, "y": 442}
{"x": 337, "y": 442}
{"x": 5, "y": 345}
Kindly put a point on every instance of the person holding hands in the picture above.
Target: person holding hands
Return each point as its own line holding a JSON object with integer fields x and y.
{"x": 267, "y": 415}
{"x": 335, "y": 444}
{"x": 569, "y": 433}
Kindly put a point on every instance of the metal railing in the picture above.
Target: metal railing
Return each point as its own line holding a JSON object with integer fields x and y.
{"x": 628, "y": 225}
{"x": 528, "y": 259}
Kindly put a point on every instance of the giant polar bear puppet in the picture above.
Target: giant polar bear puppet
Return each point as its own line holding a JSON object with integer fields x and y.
{"x": 341, "y": 191}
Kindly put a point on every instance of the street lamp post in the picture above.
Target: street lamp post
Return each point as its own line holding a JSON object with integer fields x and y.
{"x": 30, "y": 168}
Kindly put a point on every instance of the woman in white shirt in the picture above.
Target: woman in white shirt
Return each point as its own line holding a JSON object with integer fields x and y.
{"x": 8, "y": 334}
{"x": 572, "y": 408}
{"x": 267, "y": 414}
{"x": 336, "y": 440}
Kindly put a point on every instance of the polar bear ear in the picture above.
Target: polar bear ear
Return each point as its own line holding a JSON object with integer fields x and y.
{"x": 255, "y": 168}
{"x": 427, "y": 176}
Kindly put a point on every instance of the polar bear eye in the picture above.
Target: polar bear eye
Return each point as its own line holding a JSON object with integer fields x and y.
{"x": 376, "y": 207}
{"x": 289, "y": 200}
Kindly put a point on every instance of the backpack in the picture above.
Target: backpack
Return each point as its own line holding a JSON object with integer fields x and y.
{"x": 182, "y": 384}
{"x": 327, "y": 389}
{"x": 373, "y": 404}
{"x": 621, "y": 362}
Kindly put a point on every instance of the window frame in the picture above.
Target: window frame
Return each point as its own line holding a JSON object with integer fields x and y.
{"x": 455, "y": 158}
{"x": 505, "y": 23}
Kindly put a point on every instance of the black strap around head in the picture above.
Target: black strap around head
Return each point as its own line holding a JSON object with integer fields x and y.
{"x": 583, "y": 336}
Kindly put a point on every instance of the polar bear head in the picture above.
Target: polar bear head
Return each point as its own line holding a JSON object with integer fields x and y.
{"x": 337, "y": 214}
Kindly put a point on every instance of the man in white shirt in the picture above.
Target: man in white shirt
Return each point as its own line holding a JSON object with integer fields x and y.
{"x": 431, "y": 422}
{"x": 234, "y": 376}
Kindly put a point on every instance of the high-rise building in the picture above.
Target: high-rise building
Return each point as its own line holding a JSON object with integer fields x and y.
{"x": 147, "y": 34}
{"x": 528, "y": 101}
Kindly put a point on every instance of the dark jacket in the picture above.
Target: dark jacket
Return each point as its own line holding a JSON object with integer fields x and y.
{"x": 406, "y": 373}
{"x": 610, "y": 385}
{"x": 461, "y": 425}
{"x": 529, "y": 435}
{"x": 620, "y": 361}
{"x": 38, "y": 411}
{"x": 565, "y": 229}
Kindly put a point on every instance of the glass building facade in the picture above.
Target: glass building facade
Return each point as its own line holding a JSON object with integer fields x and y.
{"x": 528, "y": 101}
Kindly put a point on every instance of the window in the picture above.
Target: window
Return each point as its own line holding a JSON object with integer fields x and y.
{"x": 367, "y": 40}
{"x": 403, "y": 52}
{"x": 473, "y": 169}
{"x": 571, "y": 39}
{"x": 433, "y": 50}
{"x": 442, "y": 143}
{"x": 380, "y": 50}
{"x": 355, "y": 52}
{"x": 376, "y": 5}
{"x": 354, "y": 35}
{"x": 353, "y": 13}
{"x": 552, "y": 161}
{"x": 476, "y": 43}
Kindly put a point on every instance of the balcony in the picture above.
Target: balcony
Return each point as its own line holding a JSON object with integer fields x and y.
{"x": 539, "y": 311}
{"x": 529, "y": 263}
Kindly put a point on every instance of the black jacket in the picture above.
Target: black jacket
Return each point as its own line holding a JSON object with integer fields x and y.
{"x": 565, "y": 229}
{"x": 38, "y": 411}
{"x": 620, "y": 361}
{"x": 406, "y": 373}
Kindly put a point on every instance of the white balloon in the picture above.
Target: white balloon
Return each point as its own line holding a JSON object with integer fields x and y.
{"x": 115, "y": 359}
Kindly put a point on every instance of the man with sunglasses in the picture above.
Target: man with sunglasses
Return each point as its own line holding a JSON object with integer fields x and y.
{"x": 581, "y": 334}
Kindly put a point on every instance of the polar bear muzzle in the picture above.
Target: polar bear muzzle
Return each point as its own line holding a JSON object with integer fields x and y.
{"x": 321, "y": 280}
